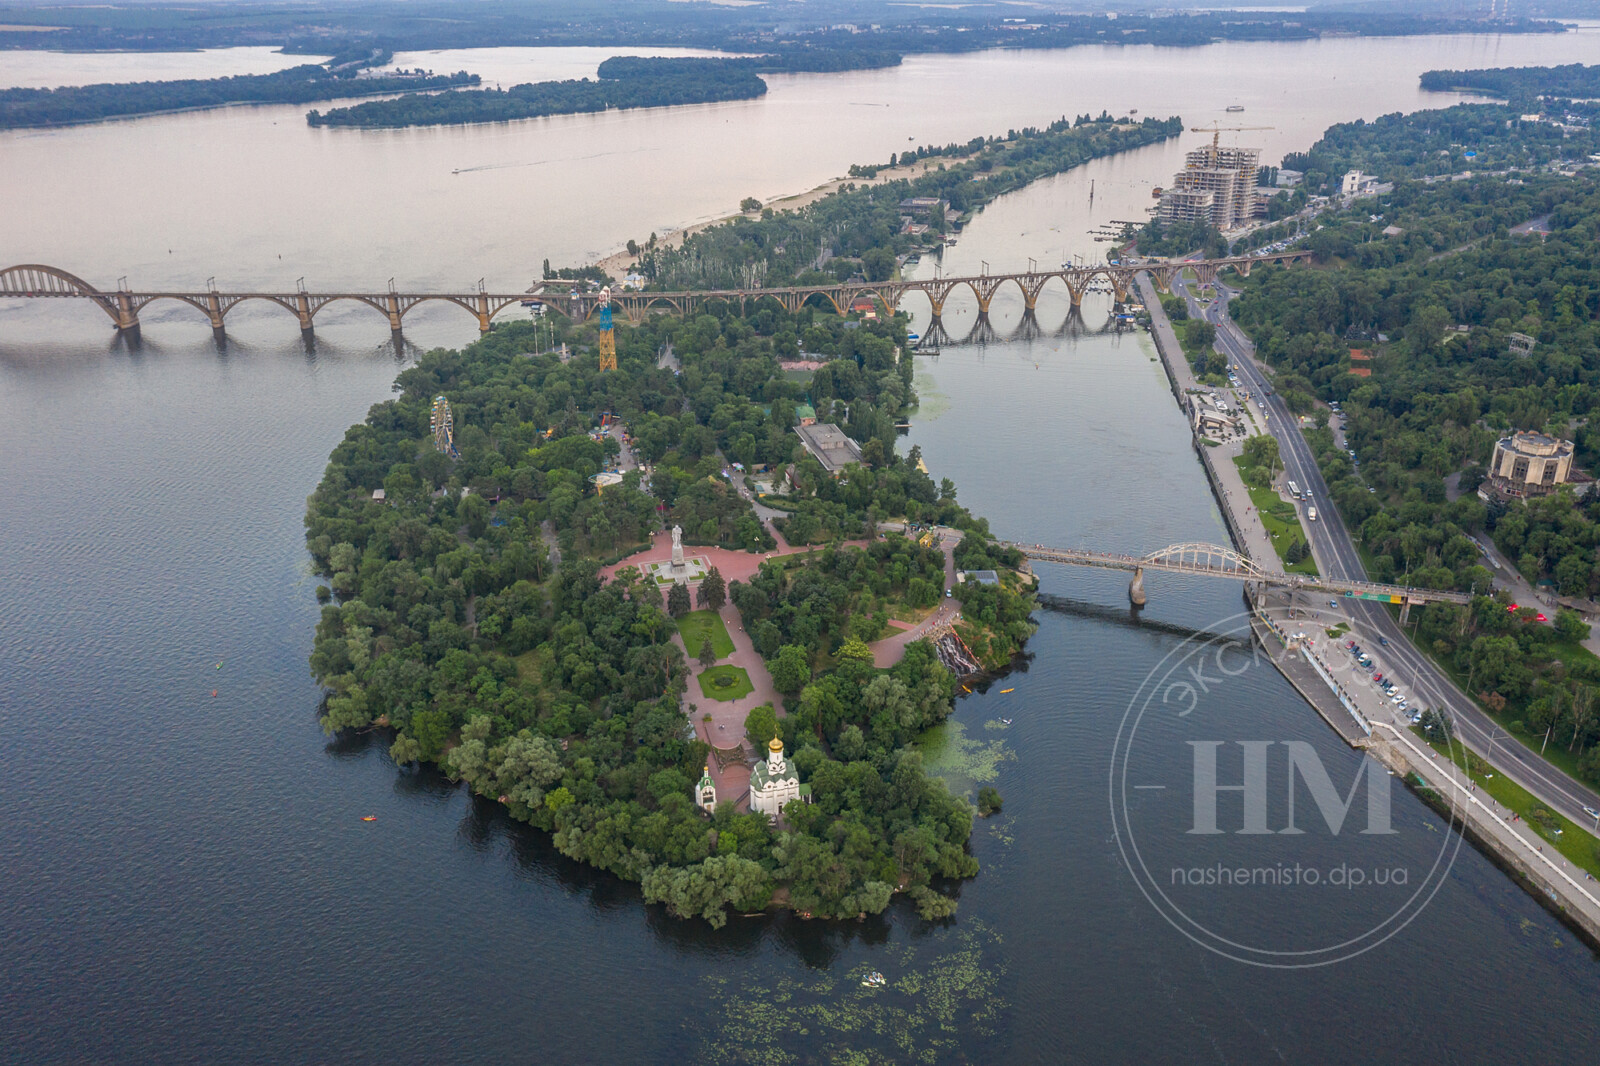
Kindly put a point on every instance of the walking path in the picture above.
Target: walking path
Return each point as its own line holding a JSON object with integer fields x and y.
{"x": 726, "y": 727}
{"x": 891, "y": 649}
{"x": 1249, "y": 534}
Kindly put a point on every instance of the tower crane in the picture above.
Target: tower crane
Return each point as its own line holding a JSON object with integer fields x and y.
{"x": 1217, "y": 131}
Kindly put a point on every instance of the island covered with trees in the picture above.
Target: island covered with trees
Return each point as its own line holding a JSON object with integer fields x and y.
{"x": 561, "y": 695}
{"x": 1430, "y": 282}
{"x": 622, "y": 82}
{"x": 26, "y": 108}
{"x": 1573, "y": 81}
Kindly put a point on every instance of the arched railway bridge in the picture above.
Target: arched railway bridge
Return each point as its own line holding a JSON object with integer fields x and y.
{"x": 1211, "y": 560}
{"x": 123, "y": 304}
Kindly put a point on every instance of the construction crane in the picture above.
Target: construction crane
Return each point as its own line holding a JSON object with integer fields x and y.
{"x": 608, "y": 334}
{"x": 1217, "y": 131}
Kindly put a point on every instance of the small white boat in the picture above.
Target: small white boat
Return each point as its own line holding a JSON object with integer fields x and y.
{"x": 874, "y": 980}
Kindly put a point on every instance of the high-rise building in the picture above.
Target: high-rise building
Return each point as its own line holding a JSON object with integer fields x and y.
{"x": 1217, "y": 185}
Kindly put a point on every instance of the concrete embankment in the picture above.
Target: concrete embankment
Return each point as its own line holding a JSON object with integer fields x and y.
{"x": 1226, "y": 484}
{"x": 1561, "y": 888}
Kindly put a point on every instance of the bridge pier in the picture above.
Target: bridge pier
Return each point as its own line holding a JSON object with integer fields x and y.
{"x": 391, "y": 307}
{"x": 1405, "y": 610}
{"x": 302, "y": 311}
{"x": 482, "y": 311}
{"x": 127, "y": 314}
{"x": 1136, "y": 594}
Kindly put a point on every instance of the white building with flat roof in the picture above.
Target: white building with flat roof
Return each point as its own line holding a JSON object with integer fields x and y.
{"x": 830, "y": 446}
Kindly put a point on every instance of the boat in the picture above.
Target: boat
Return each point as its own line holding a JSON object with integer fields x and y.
{"x": 1005, "y": 690}
{"x": 913, "y": 338}
{"x": 1235, "y": 108}
{"x": 1005, "y": 721}
{"x": 369, "y": 817}
{"x": 874, "y": 980}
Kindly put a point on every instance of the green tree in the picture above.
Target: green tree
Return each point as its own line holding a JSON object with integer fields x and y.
{"x": 1571, "y": 627}
{"x": 761, "y": 725}
{"x": 791, "y": 670}
{"x": 1262, "y": 450}
{"x": 749, "y": 203}
{"x": 878, "y": 263}
{"x": 713, "y": 592}
{"x": 707, "y": 654}
{"x": 678, "y": 600}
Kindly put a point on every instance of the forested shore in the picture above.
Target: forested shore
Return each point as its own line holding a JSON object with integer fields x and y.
{"x": 622, "y": 82}
{"x": 859, "y": 228}
{"x": 70, "y": 105}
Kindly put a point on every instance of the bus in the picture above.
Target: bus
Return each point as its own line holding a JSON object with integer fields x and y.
{"x": 1294, "y": 490}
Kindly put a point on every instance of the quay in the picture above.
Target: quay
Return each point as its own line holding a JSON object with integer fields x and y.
{"x": 1346, "y": 699}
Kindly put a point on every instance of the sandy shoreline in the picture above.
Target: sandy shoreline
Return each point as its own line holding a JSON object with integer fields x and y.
{"x": 616, "y": 264}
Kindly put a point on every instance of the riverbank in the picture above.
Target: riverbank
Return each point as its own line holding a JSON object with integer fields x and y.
{"x": 617, "y": 263}
{"x": 1555, "y": 883}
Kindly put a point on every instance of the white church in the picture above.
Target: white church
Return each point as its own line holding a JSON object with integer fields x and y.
{"x": 775, "y": 782}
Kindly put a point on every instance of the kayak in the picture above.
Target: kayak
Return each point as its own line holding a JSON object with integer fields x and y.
{"x": 1005, "y": 690}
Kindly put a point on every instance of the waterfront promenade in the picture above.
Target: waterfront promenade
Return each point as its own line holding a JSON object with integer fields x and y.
{"x": 1233, "y": 498}
{"x": 1340, "y": 686}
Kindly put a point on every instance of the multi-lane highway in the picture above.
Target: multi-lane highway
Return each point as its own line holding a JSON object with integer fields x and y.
{"x": 1336, "y": 557}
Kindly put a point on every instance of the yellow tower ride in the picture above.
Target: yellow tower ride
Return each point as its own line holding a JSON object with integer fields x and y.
{"x": 608, "y": 333}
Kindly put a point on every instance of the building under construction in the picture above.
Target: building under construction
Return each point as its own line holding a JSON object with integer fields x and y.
{"x": 1217, "y": 185}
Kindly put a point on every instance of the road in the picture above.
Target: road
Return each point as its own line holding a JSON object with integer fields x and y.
{"x": 1336, "y": 557}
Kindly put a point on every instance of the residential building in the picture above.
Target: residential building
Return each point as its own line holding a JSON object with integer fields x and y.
{"x": 1217, "y": 185}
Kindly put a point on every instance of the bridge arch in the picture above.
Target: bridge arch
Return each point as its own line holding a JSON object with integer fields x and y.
{"x": 37, "y": 279}
{"x": 826, "y": 294}
{"x": 1213, "y": 557}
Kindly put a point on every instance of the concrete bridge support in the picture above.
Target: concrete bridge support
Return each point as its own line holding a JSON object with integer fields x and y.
{"x": 391, "y": 307}
{"x": 302, "y": 311}
{"x": 127, "y": 314}
{"x": 482, "y": 311}
{"x": 1136, "y": 594}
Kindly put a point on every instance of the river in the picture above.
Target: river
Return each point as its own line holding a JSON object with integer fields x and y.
{"x": 188, "y": 879}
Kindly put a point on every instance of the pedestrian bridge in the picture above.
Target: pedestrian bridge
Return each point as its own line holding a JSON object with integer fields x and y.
{"x": 1212, "y": 560}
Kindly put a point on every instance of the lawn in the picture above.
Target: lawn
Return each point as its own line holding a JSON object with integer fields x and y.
{"x": 1574, "y": 843}
{"x": 725, "y": 682}
{"x": 696, "y": 626}
{"x": 1282, "y": 521}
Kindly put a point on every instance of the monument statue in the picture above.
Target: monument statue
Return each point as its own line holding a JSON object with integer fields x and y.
{"x": 677, "y": 548}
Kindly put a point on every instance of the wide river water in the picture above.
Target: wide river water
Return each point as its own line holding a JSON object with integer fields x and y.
{"x": 187, "y": 878}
